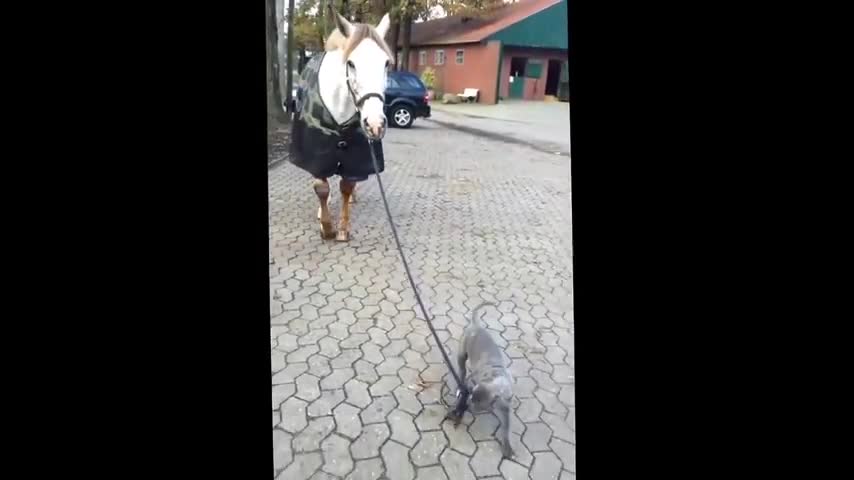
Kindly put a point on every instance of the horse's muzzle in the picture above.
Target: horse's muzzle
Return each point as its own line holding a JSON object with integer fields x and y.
{"x": 375, "y": 132}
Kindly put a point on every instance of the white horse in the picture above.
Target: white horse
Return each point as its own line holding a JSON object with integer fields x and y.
{"x": 340, "y": 108}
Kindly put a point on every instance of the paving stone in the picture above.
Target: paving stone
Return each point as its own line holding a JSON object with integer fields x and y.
{"x": 347, "y": 358}
{"x": 384, "y": 386}
{"x": 395, "y": 347}
{"x": 355, "y": 340}
{"x": 459, "y": 438}
{"x": 546, "y": 466}
{"x": 524, "y": 387}
{"x": 544, "y": 381}
{"x": 318, "y": 366}
{"x": 301, "y": 354}
{"x": 308, "y": 387}
{"x": 378, "y": 410}
{"x": 396, "y": 458}
{"x": 485, "y": 461}
{"x": 567, "y": 395}
{"x": 309, "y": 439}
{"x": 407, "y": 400}
{"x": 336, "y": 456}
{"x": 521, "y": 454}
{"x": 329, "y": 347}
{"x": 289, "y": 373}
{"x": 372, "y": 353}
{"x": 302, "y": 467}
{"x": 282, "y": 393}
{"x": 371, "y": 469}
{"x": 537, "y": 436}
{"x": 390, "y": 366}
{"x": 337, "y": 378}
{"x": 410, "y": 377}
{"x": 565, "y": 452}
{"x": 347, "y": 420}
{"x": 324, "y": 404}
{"x": 550, "y": 402}
{"x": 403, "y": 428}
{"x": 431, "y": 417}
{"x": 368, "y": 443}
{"x": 513, "y": 471}
{"x": 321, "y": 475}
{"x": 357, "y": 393}
{"x": 414, "y": 360}
{"x": 563, "y": 374}
{"x": 484, "y": 426}
{"x": 293, "y": 415}
{"x": 431, "y": 473}
{"x": 560, "y": 427}
{"x": 429, "y": 447}
{"x": 366, "y": 372}
{"x": 282, "y": 453}
{"x": 529, "y": 410}
{"x": 456, "y": 465}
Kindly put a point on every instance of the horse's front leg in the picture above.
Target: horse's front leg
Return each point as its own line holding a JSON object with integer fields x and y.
{"x": 321, "y": 188}
{"x": 347, "y": 188}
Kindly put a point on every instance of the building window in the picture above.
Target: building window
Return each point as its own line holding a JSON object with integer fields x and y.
{"x": 440, "y": 57}
{"x": 422, "y": 57}
{"x": 460, "y": 55}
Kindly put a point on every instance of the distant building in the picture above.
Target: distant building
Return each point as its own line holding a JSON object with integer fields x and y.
{"x": 519, "y": 51}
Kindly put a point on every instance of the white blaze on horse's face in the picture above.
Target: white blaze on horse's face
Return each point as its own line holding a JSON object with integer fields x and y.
{"x": 367, "y": 67}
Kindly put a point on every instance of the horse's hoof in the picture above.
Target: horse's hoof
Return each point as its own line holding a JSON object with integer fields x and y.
{"x": 326, "y": 231}
{"x": 343, "y": 236}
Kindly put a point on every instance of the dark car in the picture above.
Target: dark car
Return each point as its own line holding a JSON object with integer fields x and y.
{"x": 405, "y": 99}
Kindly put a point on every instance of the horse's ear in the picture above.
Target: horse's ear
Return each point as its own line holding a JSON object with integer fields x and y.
{"x": 344, "y": 26}
{"x": 382, "y": 27}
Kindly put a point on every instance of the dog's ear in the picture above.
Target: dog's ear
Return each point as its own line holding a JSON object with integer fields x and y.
{"x": 479, "y": 395}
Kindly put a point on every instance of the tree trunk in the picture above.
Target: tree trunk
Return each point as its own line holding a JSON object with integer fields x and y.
{"x": 321, "y": 18}
{"x": 291, "y": 35}
{"x": 302, "y": 60}
{"x": 406, "y": 31}
{"x": 275, "y": 112}
{"x": 395, "y": 35}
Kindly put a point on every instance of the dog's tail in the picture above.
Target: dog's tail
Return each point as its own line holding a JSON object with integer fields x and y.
{"x": 475, "y": 318}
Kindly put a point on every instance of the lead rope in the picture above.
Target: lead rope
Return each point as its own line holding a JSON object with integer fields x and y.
{"x": 460, "y": 385}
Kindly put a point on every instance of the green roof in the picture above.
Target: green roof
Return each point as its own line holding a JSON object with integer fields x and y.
{"x": 546, "y": 29}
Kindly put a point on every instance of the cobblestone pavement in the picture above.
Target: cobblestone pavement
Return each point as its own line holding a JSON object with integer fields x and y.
{"x": 358, "y": 386}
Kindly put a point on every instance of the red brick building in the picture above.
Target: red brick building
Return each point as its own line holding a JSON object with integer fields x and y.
{"x": 519, "y": 51}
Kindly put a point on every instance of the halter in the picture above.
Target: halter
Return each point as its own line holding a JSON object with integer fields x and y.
{"x": 359, "y": 101}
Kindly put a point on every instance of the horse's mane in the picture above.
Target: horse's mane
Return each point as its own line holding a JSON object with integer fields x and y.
{"x": 361, "y": 31}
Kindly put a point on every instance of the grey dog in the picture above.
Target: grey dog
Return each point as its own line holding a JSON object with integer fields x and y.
{"x": 493, "y": 384}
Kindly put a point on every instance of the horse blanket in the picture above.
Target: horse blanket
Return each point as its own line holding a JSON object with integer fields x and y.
{"x": 322, "y": 147}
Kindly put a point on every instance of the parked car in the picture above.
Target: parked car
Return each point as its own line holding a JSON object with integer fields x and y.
{"x": 405, "y": 99}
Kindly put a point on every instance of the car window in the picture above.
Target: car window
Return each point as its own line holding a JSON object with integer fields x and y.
{"x": 391, "y": 83}
{"x": 412, "y": 82}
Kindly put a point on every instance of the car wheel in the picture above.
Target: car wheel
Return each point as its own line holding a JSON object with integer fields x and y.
{"x": 402, "y": 116}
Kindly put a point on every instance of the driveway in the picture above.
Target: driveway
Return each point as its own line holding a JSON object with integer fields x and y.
{"x": 543, "y": 125}
{"x": 357, "y": 383}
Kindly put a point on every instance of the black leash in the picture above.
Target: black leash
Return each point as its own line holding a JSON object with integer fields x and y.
{"x": 462, "y": 392}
